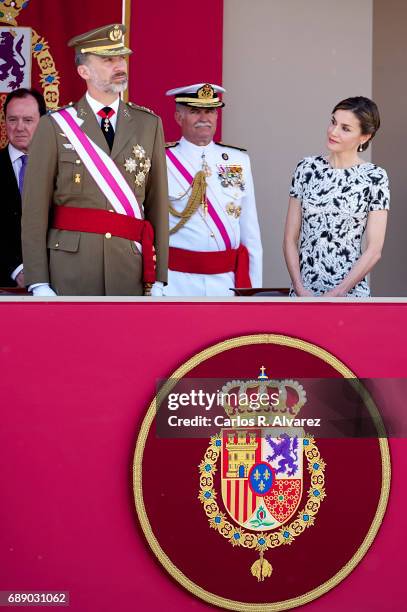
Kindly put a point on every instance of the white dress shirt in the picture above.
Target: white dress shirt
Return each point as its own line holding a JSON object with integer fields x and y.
{"x": 15, "y": 157}
{"x": 97, "y": 106}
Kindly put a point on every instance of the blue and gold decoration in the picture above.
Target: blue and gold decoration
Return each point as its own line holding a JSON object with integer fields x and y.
{"x": 262, "y": 477}
{"x": 12, "y": 71}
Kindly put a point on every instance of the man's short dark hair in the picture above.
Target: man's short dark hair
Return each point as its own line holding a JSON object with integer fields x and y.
{"x": 24, "y": 93}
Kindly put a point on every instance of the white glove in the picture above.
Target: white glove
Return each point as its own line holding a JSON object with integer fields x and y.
{"x": 157, "y": 290}
{"x": 43, "y": 290}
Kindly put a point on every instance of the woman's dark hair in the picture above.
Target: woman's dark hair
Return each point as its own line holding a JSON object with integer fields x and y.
{"x": 366, "y": 111}
{"x": 24, "y": 93}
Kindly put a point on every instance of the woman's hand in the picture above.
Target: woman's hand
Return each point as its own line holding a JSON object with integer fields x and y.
{"x": 375, "y": 232}
{"x": 303, "y": 292}
{"x": 335, "y": 292}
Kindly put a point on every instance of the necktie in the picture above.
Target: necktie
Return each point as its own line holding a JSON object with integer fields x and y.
{"x": 21, "y": 173}
{"x": 106, "y": 126}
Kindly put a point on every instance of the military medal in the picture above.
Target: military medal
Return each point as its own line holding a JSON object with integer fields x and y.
{"x": 205, "y": 166}
{"x": 233, "y": 211}
{"x": 231, "y": 175}
{"x": 230, "y": 208}
{"x": 106, "y": 117}
{"x": 130, "y": 165}
{"x": 139, "y": 152}
{"x": 205, "y": 205}
{"x": 140, "y": 164}
{"x": 207, "y": 172}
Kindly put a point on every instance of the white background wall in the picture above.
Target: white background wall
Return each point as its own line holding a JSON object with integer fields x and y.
{"x": 286, "y": 64}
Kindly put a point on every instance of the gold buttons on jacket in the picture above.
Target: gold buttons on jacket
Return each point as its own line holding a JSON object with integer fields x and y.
{"x": 77, "y": 161}
{"x": 108, "y": 235}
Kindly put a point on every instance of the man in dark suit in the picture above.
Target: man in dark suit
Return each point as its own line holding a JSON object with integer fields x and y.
{"x": 22, "y": 109}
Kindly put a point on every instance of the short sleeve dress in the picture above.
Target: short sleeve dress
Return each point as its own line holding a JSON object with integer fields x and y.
{"x": 335, "y": 204}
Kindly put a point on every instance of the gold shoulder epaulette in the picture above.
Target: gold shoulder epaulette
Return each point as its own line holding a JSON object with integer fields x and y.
{"x": 223, "y": 144}
{"x": 169, "y": 145}
{"x": 142, "y": 108}
{"x": 55, "y": 110}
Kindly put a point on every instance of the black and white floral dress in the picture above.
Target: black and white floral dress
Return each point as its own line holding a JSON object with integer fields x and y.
{"x": 335, "y": 204}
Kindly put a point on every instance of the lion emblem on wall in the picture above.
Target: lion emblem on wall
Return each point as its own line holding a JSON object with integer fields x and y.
{"x": 12, "y": 59}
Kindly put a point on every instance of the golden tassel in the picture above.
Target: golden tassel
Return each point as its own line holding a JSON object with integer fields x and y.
{"x": 261, "y": 568}
{"x": 196, "y": 199}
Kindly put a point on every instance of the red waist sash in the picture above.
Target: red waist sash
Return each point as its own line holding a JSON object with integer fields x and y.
{"x": 217, "y": 262}
{"x": 96, "y": 221}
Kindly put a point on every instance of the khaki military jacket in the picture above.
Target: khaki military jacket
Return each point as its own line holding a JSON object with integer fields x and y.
{"x": 78, "y": 263}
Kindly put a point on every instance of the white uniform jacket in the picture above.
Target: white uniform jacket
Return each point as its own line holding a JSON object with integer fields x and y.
{"x": 230, "y": 190}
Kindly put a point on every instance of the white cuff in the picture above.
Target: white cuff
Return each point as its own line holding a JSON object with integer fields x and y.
{"x": 16, "y": 272}
{"x": 157, "y": 290}
{"x": 41, "y": 290}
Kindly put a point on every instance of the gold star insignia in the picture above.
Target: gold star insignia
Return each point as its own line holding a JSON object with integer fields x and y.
{"x": 130, "y": 165}
{"x": 139, "y": 152}
{"x": 140, "y": 178}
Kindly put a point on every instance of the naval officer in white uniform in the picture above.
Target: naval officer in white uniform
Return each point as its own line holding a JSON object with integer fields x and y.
{"x": 215, "y": 241}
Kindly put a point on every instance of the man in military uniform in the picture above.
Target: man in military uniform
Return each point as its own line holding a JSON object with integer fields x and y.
{"x": 215, "y": 241}
{"x": 95, "y": 219}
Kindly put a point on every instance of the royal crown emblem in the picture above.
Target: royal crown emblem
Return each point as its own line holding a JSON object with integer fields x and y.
{"x": 218, "y": 529}
{"x": 116, "y": 34}
{"x": 206, "y": 92}
{"x": 260, "y": 482}
{"x": 10, "y": 9}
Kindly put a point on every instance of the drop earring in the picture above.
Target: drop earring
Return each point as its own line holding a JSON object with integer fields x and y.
{"x": 360, "y": 148}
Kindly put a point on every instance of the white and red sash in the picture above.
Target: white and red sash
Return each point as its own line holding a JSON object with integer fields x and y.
{"x": 187, "y": 176}
{"x": 230, "y": 260}
{"x": 102, "y": 168}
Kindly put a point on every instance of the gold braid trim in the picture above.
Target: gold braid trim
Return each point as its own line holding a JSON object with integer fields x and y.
{"x": 196, "y": 199}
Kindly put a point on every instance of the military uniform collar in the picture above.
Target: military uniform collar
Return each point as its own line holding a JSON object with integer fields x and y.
{"x": 91, "y": 125}
{"x": 124, "y": 129}
{"x": 96, "y": 106}
{"x": 192, "y": 150}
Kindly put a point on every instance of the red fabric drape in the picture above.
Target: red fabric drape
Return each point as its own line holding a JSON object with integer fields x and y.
{"x": 57, "y": 22}
{"x": 53, "y": 24}
{"x": 175, "y": 43}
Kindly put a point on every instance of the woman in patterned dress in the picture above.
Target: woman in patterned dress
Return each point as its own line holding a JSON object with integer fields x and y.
{"x": 334, "y": 201}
